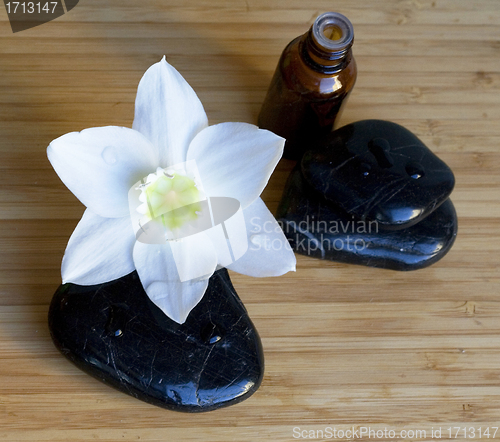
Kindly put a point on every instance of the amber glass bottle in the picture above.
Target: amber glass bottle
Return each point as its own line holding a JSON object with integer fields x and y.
{"x": 315, "y": 74}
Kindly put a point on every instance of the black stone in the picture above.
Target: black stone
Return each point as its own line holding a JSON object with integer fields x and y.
{"x": 115, "y": 333}
{"x": 316, "y": 227}
{"x": 379, "y": 171}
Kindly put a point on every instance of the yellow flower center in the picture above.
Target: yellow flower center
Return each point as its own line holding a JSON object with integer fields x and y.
{"x": 171, "y": 196}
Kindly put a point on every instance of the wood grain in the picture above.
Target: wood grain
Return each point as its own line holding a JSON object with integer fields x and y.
{"x": 345, "y": 346}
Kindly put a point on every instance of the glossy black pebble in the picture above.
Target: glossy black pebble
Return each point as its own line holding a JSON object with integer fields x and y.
{"x": 379, "y": 171}
{"x": 318, "y": 228}
{"x": 115, "y": 333}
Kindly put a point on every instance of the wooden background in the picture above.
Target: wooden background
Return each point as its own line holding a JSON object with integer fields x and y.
{"x": 345, "y": 345}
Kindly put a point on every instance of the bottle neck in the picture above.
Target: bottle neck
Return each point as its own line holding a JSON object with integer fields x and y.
{"x": 327, "y": 45}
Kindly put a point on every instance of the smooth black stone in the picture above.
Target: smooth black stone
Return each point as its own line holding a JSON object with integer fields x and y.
{"x": 379, "y": 171}
{"x": 115, "y": 333}
{"x": 318, "y": 228}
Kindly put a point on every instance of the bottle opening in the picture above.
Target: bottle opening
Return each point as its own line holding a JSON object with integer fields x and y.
{"x": 333, "y": 31}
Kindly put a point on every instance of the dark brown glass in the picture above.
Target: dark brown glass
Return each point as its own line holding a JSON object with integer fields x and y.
{"x": 309, "y": 89}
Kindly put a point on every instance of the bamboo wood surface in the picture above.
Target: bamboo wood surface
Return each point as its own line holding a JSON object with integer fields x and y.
{"x": 345, "y": 346}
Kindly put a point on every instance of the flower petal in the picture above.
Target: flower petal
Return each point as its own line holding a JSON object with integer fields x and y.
{"x": 168, "y": 112}
{"x": 159, "y": 276}
{"x": 99, "y": 250}
{"x": 100, "y": 164}
{"x": 194, "y": 257}
{"x": 235, "y": 159}
{"x": 269, "y": 253}
{"x": 229, "y": 234}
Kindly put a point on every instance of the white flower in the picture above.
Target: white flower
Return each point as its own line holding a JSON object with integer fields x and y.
{"x": 100, "y": 165}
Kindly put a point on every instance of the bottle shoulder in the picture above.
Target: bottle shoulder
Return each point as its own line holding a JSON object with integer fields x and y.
{"x": 299, "y": 76}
